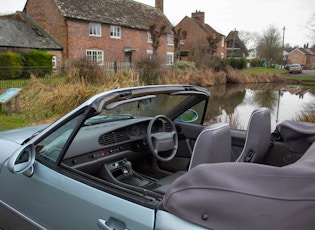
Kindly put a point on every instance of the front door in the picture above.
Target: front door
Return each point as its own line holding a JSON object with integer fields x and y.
{"x": 128, "y": 59}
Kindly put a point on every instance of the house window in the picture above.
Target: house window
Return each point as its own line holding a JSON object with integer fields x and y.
{"x": 182, "y": 42}
{"x": 170, "y": 58}
{"x": 149, "y": 53}
{"x": 95, "y": 29}
{"x": 54, "y": 62}
{"x": 222, "y": 41}
{"x": 170, "y": 39}
{"x": 149, "y": 38}
{"x": 115, "y": 32}
{"x": 296, "y": 56}
{"x": 95, "y": 55}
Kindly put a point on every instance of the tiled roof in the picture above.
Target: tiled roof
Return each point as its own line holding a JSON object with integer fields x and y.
{"x": 117, "y": 12}
{"x": 17, "y": 32}
{"x": 204, "y": 26}
{"x": 234, "y": 35}
{"x": 307, "y": 51}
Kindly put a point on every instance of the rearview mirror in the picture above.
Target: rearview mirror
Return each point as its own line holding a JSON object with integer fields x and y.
{"x": 22, "y": 161}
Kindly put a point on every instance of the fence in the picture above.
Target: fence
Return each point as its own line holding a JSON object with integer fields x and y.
{"x": 7, "y": 72}
{"x": 108, "y": 67}
{"x": 6, "y": 80}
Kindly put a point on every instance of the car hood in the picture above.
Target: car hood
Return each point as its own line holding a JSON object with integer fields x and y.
{"x": 7, "y": 149}
{"x": 20, "y": 135}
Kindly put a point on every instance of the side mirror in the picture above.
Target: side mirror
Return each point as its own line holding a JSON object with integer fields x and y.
{"x": 22, "y": 161}
{"x": 188, "y": 116}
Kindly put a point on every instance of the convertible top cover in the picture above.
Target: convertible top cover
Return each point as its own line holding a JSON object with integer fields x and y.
{"x": 247, "y": 196}
{"x": 297, "y": 136}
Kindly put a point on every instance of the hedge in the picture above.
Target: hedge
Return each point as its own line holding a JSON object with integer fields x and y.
{"x": 20, "y": 65}
{"x": 11, "y": 65}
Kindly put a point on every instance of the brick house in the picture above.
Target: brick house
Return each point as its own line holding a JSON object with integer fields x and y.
{"x": 304, "y": 56}
{"x": 235, "y": 46}
{"x": 104, "y": 30}
{"x": 19, "y": 33}
{"x": 200, "y": 32}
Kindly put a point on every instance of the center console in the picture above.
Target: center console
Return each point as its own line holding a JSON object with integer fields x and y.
{"x": 121, "y": 172}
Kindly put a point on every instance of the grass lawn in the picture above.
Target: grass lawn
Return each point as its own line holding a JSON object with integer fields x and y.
{"x": 262, "y": 70}
{"x": 301, "y": 79}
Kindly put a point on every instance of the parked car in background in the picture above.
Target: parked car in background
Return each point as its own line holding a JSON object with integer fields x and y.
{"x": 295, "y": 68}
{"x": 147, "y": 157}
{"x": 287, "y": 66}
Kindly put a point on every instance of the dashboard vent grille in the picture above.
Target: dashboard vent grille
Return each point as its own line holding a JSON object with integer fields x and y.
{"x": 113, "y": 137}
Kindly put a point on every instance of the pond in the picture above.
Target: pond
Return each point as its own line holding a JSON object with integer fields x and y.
{"x": 234, "y": 103}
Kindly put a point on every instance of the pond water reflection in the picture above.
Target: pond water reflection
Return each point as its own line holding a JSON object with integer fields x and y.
{"x": 234, "y": 103}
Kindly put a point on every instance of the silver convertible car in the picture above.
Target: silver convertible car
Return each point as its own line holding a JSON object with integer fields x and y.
{"x": 149, "y": 158}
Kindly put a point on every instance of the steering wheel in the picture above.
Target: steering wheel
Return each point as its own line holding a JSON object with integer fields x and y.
{"x": 165, "y": 140}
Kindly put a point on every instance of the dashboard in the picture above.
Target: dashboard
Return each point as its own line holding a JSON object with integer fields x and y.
{"x": 110, "y": 141}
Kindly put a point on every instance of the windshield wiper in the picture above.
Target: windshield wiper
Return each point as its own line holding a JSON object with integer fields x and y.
{"x": 104, "y": 119}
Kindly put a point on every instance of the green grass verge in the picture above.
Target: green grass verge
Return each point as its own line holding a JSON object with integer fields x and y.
{"x": 263, "y": 70}
{"x": 20, "y": 83}
{"x": 13, "y": 121}
{"x": 301, "y": 79}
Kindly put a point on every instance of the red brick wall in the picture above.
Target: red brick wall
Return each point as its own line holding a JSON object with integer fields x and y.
{"x": 73, "y": 35}
{"x": 296, "y": 57}
{"x": 47, "y": 15}
{"x": 197, "y": 35}
{"x": 79, "y": 41}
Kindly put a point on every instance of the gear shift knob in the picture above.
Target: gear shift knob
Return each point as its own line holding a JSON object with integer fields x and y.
{"x": 128, "y": 167}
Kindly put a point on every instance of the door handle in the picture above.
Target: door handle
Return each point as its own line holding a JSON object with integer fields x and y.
{"x": 111, "y": 224}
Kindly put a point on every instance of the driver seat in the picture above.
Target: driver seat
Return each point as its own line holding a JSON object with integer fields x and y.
{"x": 213, "y": 145}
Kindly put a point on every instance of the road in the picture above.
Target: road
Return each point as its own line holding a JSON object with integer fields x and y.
{"x": 305, "y": 73}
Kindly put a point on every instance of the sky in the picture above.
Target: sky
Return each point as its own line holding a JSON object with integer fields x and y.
{"x": 227, "y": 15}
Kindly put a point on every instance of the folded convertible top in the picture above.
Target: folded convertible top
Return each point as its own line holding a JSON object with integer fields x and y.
{"x": 247, "y": 196}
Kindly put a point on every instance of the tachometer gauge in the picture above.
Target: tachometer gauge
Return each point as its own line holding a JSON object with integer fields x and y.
{"x": 135, "y": 131}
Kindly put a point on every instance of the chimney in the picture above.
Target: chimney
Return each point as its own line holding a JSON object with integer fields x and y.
{"x": 200, "y": 16}
{"x": 159, "y": 4}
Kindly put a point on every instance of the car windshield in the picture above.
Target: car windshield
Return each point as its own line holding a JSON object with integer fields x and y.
{"x": 149, "y": 106}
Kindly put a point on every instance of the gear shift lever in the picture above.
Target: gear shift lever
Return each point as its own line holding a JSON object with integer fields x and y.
{"x": 128, "y": 168}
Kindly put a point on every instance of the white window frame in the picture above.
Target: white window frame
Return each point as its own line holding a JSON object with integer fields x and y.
{"x": 54, "y": 62}
{"x": 95, "y": 29}
{"x": 95, "y": 55}
{"x": 115, "y": 31}
{"x": 149, "y": 53}
{"x": 170, "y": 39}
{"x": 170, "y": 58}
{"x": 149, "y": 38}
{"x": 182, "y": 42}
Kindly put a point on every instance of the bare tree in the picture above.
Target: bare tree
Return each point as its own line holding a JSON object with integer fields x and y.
{"x": 156, "y": 32}
{"x": 250, "y": 39}
{"x": 178, "y": 36}
{"x": 212, "y": 41}
{"x": 311, "y": 28}
{"x": 270, "y": 45}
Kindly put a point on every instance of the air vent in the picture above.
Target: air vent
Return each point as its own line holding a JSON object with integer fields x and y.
{"x": 113, "y": 137}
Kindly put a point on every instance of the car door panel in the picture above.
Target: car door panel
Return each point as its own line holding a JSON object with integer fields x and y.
{"x": 168, "y": 221}
{"x": 55, "y": 201}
